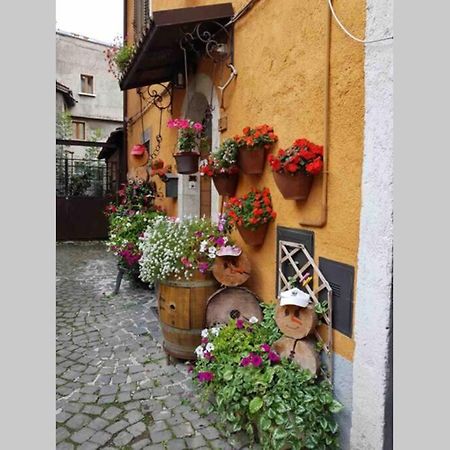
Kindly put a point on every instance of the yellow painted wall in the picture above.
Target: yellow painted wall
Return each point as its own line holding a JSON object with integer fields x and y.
{"x": 280, "y": 58}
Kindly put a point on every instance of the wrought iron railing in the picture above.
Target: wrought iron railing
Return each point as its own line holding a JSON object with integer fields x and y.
{"x": 77, "y": 177}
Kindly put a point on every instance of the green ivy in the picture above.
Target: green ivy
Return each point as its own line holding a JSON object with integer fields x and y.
{"x": 277, "y": 402}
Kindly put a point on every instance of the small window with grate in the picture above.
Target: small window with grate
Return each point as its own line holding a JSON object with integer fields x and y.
{"x": 87, "y": 84}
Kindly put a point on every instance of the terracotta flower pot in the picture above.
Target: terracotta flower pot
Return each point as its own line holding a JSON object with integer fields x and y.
{"x": 226, "y": 184}
{"x": 251, "y": 160}
{"x": 293, "y": 186}
{"x": 187, "y": 162}
{"x": 253, "y": 237}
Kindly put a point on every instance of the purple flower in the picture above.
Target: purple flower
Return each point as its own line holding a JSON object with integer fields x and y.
{"x": 220, "y": 241}
{"x": 205, "y": 376}
{"x": 256, "y": 360}
{"x": 204, "y": 340}
{"x": 274, "y": 357}
{"x": 239, "y": 324}
{"x": 190, "y": 368}
{"x": 202, "y": 267}
{"x": 209, "y": 356}
{"x": 245, "y": 361}
{"x": 265, "y": 348}
{"x": 198, "y": 234}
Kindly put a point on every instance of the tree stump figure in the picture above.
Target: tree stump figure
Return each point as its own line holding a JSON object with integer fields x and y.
{"x": 232, "y": 270}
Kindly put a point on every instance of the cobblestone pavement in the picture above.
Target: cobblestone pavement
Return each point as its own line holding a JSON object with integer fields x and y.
{"x": 114, "y": 387}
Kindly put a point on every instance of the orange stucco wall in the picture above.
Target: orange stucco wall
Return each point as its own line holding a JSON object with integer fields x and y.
{"x": 280, "y": 57}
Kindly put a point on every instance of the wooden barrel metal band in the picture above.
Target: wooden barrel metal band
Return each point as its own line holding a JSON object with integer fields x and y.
{"x": 182, "y": 283}
{"x": 193, "y": 331}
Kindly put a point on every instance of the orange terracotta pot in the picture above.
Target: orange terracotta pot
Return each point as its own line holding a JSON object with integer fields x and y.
{"x": 251, "y": 160}
{"x": 226, "y": 184}
{"x": 253, "y": 237}
{"x": 293, "y": 186}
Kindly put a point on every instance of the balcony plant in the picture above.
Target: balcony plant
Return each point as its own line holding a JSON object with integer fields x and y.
{"x": 254, "y": 390}
{"x": 294, "y": 168}
{"x": 190, "y": 134}
{"x": 251, "y": 215}
{"x": 253, "y": 145}
{"x": 118, "y": 56}
{"x": 222, "y": 166}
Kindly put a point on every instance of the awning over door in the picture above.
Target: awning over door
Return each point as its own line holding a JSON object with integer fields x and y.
{"x": 159, "y": 57}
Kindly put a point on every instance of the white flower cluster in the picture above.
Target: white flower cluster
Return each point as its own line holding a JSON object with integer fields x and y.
{"x": 207, "y": 347}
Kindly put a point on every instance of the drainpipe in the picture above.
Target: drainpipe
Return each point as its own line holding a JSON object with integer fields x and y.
{"x": 322, "y": 220}
{"x": 124, "y": 155}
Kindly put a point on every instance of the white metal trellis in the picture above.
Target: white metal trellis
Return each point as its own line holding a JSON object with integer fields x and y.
{"x": 286, "y": 252}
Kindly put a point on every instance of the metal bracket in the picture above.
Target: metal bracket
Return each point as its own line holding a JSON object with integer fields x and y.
{"x": 233, "y": 74}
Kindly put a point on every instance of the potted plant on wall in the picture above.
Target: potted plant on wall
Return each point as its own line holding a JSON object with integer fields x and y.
{"x": 179, "y": 254}
{"x": 294, "y": 168}
{"x": 222, "y": 167}
{"x": 251, "y": 215}
{"x": 189, "y": 137}
{"x": 252, "y": 148}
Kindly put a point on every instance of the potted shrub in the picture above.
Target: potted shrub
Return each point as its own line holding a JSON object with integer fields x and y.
{"x": 253, "y": 389}
{"x": 294, "y": 168}
{"x": 178, "y": 254}
{"x": 251, "y": 215}
{"x": 222, "y": 167}
{"x": 252, "y": 148}
{"x": 189, "y": 137}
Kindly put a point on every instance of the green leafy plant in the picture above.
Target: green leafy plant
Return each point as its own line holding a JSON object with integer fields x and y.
{"x": 255, "y": 390}
{"x": 223, "y": 160}
{"x": 118, "y": 56}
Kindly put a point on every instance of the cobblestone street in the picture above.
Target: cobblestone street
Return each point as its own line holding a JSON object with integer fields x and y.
{"x": 114, "y": 387}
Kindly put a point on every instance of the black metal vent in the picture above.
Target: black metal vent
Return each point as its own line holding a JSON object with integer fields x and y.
{"x": 297, "y": 236}
{"x": 341, "y": 278}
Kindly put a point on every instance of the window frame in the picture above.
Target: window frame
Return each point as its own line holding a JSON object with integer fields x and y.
{"x": 84, "y": 129}
{"x": 88, "y": 94}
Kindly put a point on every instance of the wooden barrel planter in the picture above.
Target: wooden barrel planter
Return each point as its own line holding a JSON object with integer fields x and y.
{"x": 182, "y": 313}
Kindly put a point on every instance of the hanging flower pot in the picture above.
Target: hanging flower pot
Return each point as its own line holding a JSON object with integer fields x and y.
{"x": 294, "y": 186}
{"x": 253, "y": 145}
{"x": 253, "y": 237}
{"x": 187, "y": 162}
{"x": 294, "y": 168}
{"x": 251, "y": 159}
{"x": 189, "y": 138}
{"x": 225, "y": 183}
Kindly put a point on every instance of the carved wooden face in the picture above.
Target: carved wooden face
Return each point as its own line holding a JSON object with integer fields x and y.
{"x": 296, "y": 321}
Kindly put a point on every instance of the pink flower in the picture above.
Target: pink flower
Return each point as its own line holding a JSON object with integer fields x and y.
{"x": 171, "y": 123}
{"x": 183, "y": 123}
{"x": 202, "y": 267}
{"x": 239, "y": 324}
{"x": 190, "y": 368}
{"x": 220, "y": 241}
{"x": 198, "y": 127}
{"x": 256, "y": 360}
{"x": 265, "y": 348}
{"x": 198, "y": 234}
{"x": 204, "y": 340}
{"x": 185, "y": 262}
{"x": 274, "y": 357}
{"x": 209, "y": 356}
{"x": 205, "y": 376}
{"x": 245, "y": 361}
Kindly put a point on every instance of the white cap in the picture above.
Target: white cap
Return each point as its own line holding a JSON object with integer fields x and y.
{"x": 294, "y": 297}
